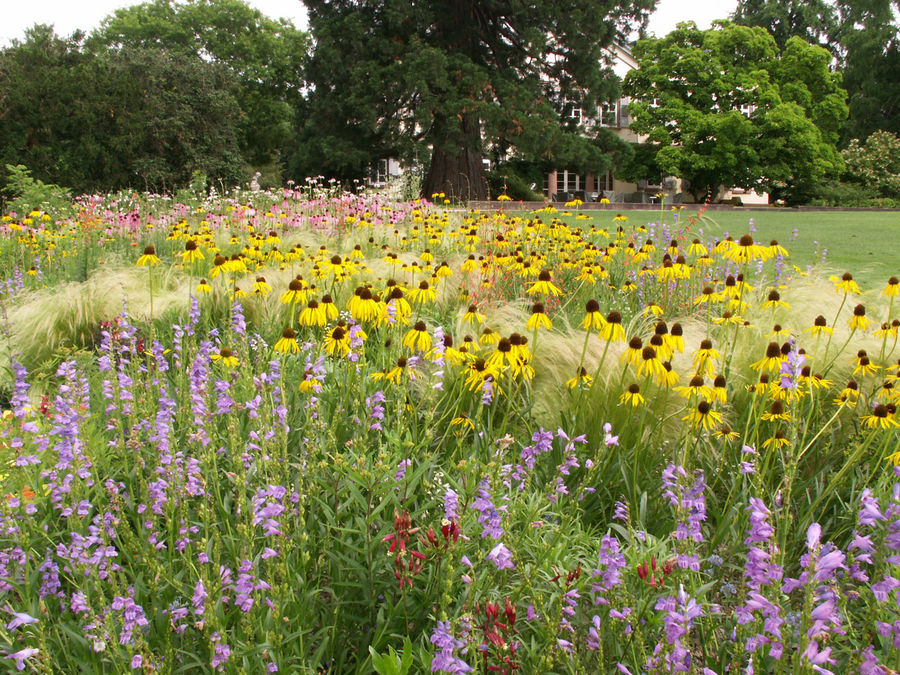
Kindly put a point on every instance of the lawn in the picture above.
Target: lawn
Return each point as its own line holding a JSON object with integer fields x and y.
{"x": 864, "y": 243}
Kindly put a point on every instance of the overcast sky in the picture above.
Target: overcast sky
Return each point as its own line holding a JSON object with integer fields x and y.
{"x": 70, "y": 15}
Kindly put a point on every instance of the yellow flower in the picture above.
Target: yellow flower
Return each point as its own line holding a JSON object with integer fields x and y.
{"x": 776, "y": 413}
{"x": 261, "y": 287}
{"x": 772, "y": 359}
{"x": 473, "y": 316}
{"x": 705, "y": 357}
{"x": 463, "y": 420}
{"x": 295, "y": 294}
{"x": 538, "y": 318}
{"x": 726, "y": 434}
{"x": 845, "y": 283}
{"x": 892, "y": 290}
{"x": 544, "y": 286}
{"x": 489, "y": 338}
{"x": 859, "y": 320}
{"x": 204, "y": 287}
{"x": 191, "y": 252}
{"x": 863, "y": 365}
{"x": 418, "y": 339}
{"x": 424, "y": 293}
{"x": 745, "y": 251}
{"x": 703, "y": 416}
{"x": 149, "y": 257}
{"x": 287, "y": 342}
{"x": 777, "y": 441}
{"x": 226, "y": 357}
{"x": 312, "y": 315}
{"x": 774, "y": 300}
{"x": 819, "y": 327}
{"x": 337, "y": 341}
{"x": 582, "y": 378}
{"x": 632, "y": 396}
{"x": 480, "y": 371}
{"x": 880, "y": 419}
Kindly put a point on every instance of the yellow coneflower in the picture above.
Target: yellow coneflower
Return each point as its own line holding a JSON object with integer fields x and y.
{"x": 149, "y": 257}
{"x": 779, "y": 333}
{"x": 312, "y": 315}
{"x": 697, "y": 249}
{"x": 705, "y": 358}
{"x": 582, "y": 378}
{"x": 632, "y": 355}
{"x": 719, "y": 389}
{"x": 418, "y": 338}
{"x": 892, "y": 290}
{"x": 333, "y": 266}
{"x": 261, "y": 287}
{"x": 489, "y": 338}
{"x": 613, "y": 331}
{"x": 337, "y": 341}
{"x": 473, "y": 316}
{"x": 726, "y": 433}
{"x": 424, "y": 293}
{"x": 328, "y": 308}
{"x": 776, "y": 249}
{"x": 357, "y": 253}
{"x": 771, "y": 361}
{"x": 845, "y": 284}
{"x": 880, "y": 418}
{"x": 463, "y": 420}
{"x": 204, "y": 287}
{"x": 729, "y": 319}
{"x": 667, "y": 377}
{"x": 632, "y": 396}
{"x": 703, "y": 416}
{"x": 593, "y": 319}
{"x": 696, "y": 387}
{"x": 238, "y": 293}
{"x": 849, "y": 395}
{"x": 745, "y": 251}
{"x": 544, "y": 286}
{"x": 776, "y": 442}
{"x": 814, "y": 381}
{"x": 287, "y": 342}
{"x": 650, "y": 363}
{"x": 478, "y": 372}
{"x": 236, "y": 265}
{"x": 707, "y": 296}
{"x": 774, "y": 300}
{"x": 762, "y": 385}
{"x": 859, "y": 320}
{"x": 219, "y": 266}
{"x": 863, "y": 365}
{"x": 819, "y": 327}
{"x": 652, "y": 309}
{"x": 295, "y": 294}
{"x": 503, "y": 355}
{"x": 776, "y": 413}
{"x": 538, "y": 318}
{"x": 395, "y": 373}
{"x": 226, "y": 357}
{"x": 191, "y": 252}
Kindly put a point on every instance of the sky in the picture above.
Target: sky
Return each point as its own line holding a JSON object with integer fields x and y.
{"x": 68, "y": 15}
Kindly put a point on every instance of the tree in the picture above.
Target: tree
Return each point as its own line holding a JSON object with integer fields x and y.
{"x": 726, "y": 107}
{"x": 814, "y": 21}
{"x": 870, "y": 62}
{"x": 463, "y": 77}
{"x": 265, "y": 57}
{"x": 122, "y": 118}
{"x": 875, "y": 164}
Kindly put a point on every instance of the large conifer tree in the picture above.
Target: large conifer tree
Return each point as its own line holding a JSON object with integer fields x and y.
{"x": 392, "y": 77}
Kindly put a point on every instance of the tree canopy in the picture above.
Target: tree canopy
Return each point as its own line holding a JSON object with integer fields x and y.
{"x": 265, "y": 57}
{"x": 466, "y": 78}
{"x": 726, "y": 107}
{"x": 815, "y": 21}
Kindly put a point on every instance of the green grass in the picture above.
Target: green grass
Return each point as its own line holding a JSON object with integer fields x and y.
{"x": 867, "y": 244}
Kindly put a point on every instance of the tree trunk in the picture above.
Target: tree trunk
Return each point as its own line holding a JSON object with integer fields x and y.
{"x": 458, "y": 174}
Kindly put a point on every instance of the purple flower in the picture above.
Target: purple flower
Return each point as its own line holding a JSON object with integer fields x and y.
{"x": 445, "y": 661}
{"x": 20, "y": 656}
{"x": 501, "y": 557}
{"x": 488, "y": 515}
{"x": 20, "y": 619}
{"x": 451, "y": 505}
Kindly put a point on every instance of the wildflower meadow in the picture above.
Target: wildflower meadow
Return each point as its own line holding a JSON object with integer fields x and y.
{"x": 308, "y": 431}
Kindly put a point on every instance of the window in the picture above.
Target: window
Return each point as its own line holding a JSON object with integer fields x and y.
{"x": 609, "y": 114}
{"x": 569, "y": 181}
{"x": 574, "y": 112}
{"x": 603, "y": 183}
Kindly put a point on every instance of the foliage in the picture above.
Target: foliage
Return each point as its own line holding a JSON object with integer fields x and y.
{"x": 869, "y": 38}
{"x": 689, "y": 90}
{"x": 813, "y": 21}
{"x": 195, "y": 490}
{"x": 876, "y": 163}
{"x": 263, "y": 56}
{"x": 515, "y": 179}
{"x": 389, "y": 77}
{"x": 144, "y": 118}
{"x": 30, "y": 194}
